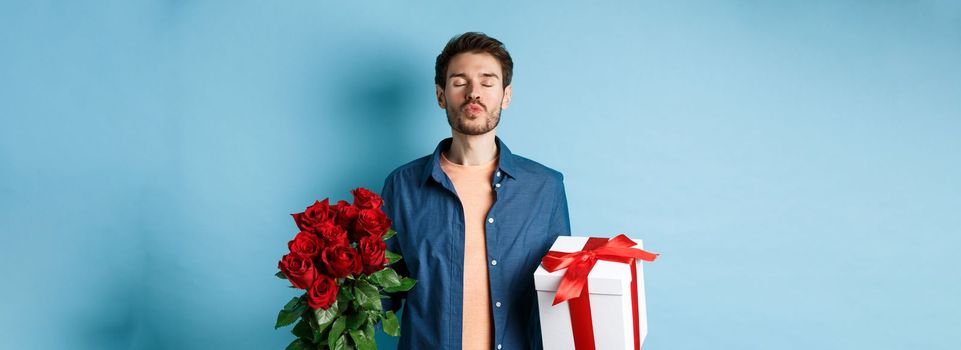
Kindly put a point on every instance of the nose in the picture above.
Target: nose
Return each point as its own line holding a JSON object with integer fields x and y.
{"x": 473, "y": 93}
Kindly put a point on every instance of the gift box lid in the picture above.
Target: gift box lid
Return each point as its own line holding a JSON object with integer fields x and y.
{"x": 606, "y": 277}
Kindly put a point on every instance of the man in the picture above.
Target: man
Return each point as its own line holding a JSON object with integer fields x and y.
{"x": 473, "y": 219}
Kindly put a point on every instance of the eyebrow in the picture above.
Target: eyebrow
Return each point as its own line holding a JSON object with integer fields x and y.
{"x": 464, "y": 75}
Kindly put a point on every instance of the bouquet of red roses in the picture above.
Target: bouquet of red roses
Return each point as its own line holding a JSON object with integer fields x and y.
{"x": 340, "y": 259}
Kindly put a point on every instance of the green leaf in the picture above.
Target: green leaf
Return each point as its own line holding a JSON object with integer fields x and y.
{"x": 280, "y": 274}
{"x": 303, "y": 330}
{"x": 386, "y": 278}
{"x": 320, "y": 338}
{"x": 369, "y": 330}
{"x": 405, "y": 285}
{"x": 336, "y": 334}
{"x": 362, "y": 340}
{"x": 391, "y": 326}
{"x": 392, "y": 257}
{"x": 356, "y": 319}
{"x": 293, "y": 310}
{"x": 299, "y": 344}
{"x": 286, "y": 317}
{"x": 390, "y": 233}
{"x": 311, "y": 322}
{"x": 340, "y": 343}
{"x": 292, "y": 304}
{"x": 316, "y": 333}
{"x": 326, "y": 317}
{"x": 344, "y": 294}
{"x": 367, "y": 296}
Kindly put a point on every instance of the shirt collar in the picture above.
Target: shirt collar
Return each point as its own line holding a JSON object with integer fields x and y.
{"x": 432, "y": 169}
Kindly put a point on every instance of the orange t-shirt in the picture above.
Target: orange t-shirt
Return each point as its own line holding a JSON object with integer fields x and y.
{"x": 473, "y": 186}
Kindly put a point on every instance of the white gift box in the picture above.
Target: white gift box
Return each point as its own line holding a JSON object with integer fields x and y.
{"x": 609, "y": 288}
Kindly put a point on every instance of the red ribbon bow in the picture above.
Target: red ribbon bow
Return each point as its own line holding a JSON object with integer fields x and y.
{"x": 579, "y": 264}
{"x": 573, "y": 285}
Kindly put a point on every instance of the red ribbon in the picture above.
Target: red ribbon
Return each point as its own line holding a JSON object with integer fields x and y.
{"x": 573, "y": 286}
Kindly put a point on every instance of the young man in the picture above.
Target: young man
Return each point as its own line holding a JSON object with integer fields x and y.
{"x": 473, "y": 219}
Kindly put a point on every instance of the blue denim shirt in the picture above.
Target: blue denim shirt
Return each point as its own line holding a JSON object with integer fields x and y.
{"x": 529, "y": 212}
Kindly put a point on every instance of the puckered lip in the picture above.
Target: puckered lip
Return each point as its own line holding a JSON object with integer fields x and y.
{"x": 474, "y": 107}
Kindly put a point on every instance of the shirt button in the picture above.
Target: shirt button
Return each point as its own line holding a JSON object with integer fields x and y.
{"x": 498, "y": 174}
{"x": 490, "y": 220}
{"x": 493, "y": 262}
{"x": 497, "y": 185}
{"x": 497, "y": 304}
{"x": 498, "y": 346}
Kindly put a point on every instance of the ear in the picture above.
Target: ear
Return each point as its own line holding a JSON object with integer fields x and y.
{"x": 441, "y": 101}
{"x": 506, "y": 102}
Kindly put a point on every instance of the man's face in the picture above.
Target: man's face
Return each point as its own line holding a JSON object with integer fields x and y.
{"x": 475, "y": 93}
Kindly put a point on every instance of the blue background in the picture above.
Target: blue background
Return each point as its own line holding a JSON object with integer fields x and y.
{"x": 796, "y": 163}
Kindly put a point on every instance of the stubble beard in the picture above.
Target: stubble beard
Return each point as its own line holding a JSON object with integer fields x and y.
{"x": 458, "y": 121}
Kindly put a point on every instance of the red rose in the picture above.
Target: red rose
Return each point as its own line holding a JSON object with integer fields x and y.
{"x": 322, "y": 293}
{"x": 331, "y": 234}
{"x": 365, "y": 199}
{"x": 299, "y": 271}
{"x": 316, "y": 214}
{"x": 370, "y": 222}
{"x": 346, "y": 213}
{"x": 306, "y": 244}
{"x": 372, "y": 253}
{"x": 341, "y": 261}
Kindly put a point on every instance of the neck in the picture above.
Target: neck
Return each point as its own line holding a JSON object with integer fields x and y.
{"x": 472, "y": 149}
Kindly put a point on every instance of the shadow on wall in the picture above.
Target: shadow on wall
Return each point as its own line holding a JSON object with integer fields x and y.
{"x": 357, "y": 104}
{"x": 370, "y": 94}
